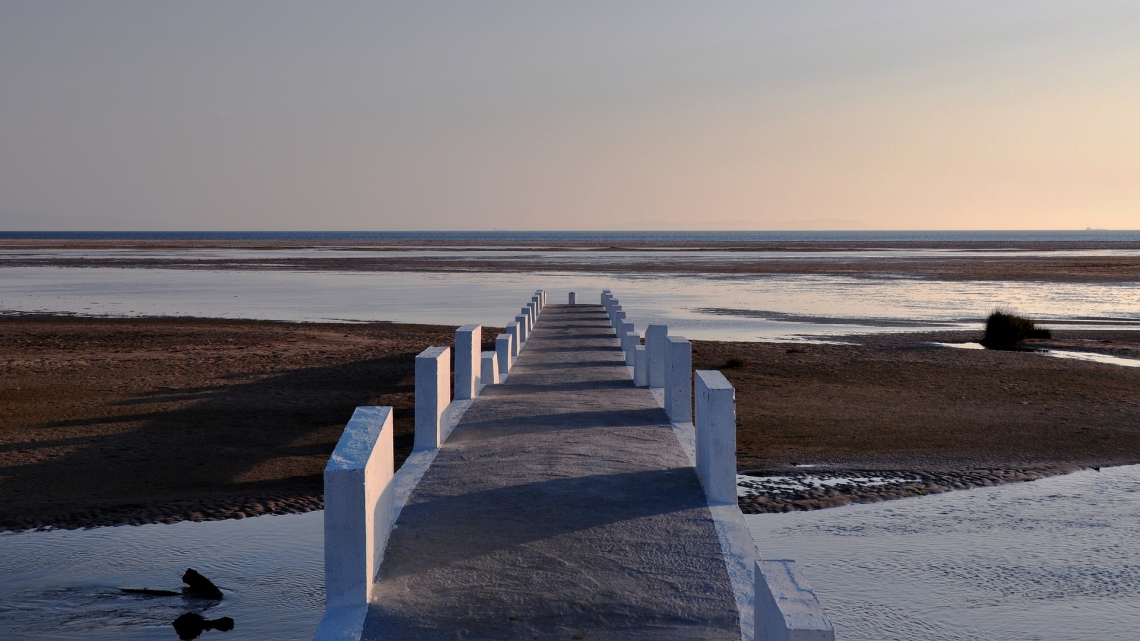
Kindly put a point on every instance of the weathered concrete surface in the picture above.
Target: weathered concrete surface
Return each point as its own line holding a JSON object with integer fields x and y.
{"x": 561, "y": 507}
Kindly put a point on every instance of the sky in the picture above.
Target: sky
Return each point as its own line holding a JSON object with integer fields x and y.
{"x": 583, "y": 115}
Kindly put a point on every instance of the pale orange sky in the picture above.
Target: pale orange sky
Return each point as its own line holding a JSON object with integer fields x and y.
{"x": 583, "y": 115}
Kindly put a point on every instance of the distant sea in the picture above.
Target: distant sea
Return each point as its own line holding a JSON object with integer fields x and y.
{"x": 1091, "y": 235}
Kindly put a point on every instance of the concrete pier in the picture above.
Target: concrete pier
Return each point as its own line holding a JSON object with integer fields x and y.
{"x": 563, "y": 506}
{"x": 514, "y": 330}
{"x": 655, "y": 351}
{"x": 468, "y": 346}
{"x": 503, "y": 349}
{"x": 629, "y": 342}
{"x": 678, "y": 379}
{"x": 489, "y": 370}
{"x": 786, "y": 607}
{"x": 715, "y": 424}
{"x": 433, "y": 394}
{"x": 358, "y": 506}
{"x": 640, "y": 367}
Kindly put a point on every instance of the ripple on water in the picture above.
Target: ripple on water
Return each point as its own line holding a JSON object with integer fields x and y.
{"x": 1057, "y": 558}
{"x": 65, "y": 584}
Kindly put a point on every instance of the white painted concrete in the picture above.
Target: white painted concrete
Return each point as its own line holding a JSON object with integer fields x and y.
{"x": 524, "y": 329}
{"x": 515, "y": 332}
{"x": 786, "y": 607}
{"x": 736, "y": 542}
{"x": 433, "y": 393}
{"x": 503, "y": 353}
{"x": 537, "y": 304}
{"x": 468, "y": 345}
{"x": 619, "y": 318}
{"x": 571, "y": 299}
{"x": 489, "y": 372}
{"x": 525, "y": 312}
{"x": 630, "y": 341}
{"x": 715, "y": 423}
{"x": 678, "y": 379}
{"x": 358, "y": 506}
{"x": 640, "y": 367}
{"x": 655, "y": 352}
{"x": 533, "y": 307}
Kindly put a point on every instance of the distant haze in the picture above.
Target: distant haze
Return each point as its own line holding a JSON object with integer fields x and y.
{"x": 578, "y": 115}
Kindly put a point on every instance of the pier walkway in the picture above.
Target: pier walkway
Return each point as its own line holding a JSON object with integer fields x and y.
{"x": 561, "y": 507}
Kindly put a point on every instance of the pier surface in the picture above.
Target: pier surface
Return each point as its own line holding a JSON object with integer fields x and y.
{"x": 561, "y": 507}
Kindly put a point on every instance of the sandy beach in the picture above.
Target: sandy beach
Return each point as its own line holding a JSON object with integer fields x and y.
{"x": 116, "y": 421}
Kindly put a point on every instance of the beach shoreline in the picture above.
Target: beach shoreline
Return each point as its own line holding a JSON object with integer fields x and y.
{"x": 114, "y": 421}
{"x": 1033, "y": 261}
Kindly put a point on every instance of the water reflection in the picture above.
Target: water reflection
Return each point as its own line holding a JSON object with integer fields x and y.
{"x": 762, "y": 307}
{"x": 65, "y": 584}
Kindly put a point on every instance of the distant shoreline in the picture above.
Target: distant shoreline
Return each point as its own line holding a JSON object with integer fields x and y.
{"x": 1042, "y": 261}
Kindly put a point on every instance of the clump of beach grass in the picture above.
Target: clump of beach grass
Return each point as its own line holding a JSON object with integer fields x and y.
{"x": 1005, "y": 330}
{"x": 733, "y": 363}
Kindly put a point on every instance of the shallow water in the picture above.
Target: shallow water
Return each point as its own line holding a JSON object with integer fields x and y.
{"x": 699, "y": 307}
{"x": 1056, "y": 559}
{"x": 1090, "y": 357}
{"x": 65, "y": 584}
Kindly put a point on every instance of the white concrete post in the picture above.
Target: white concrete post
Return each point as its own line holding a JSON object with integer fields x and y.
{"x": 572, "y": 298}
{"x": 524, "y": 329}
{"x": 468, "y": 345}
{"x": 715, "y": 424}
{"x": 640, "y": 367}
{"x": 605, "y": 297}
{"x": 655, "y": 351}
{"x": 678, "y": 379}
{"x": 630, "y": 342}
{"x": 503, "y": 353}
{"x": 615, "y": 309}
{"x": 619, "y": 319}
{"x": 489, "y": 372}
{"x": 528, "y": 318}
{"x": 786, "y": 607}
{"x": 537, "y": 304}
{"x": 433, "y": 393}
{"x": 514, "y": 330}
{"x": 533, "y": 306}
{"x": 358, "y": 506}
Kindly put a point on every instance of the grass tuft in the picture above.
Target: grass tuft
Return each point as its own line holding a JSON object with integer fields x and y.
{"x": 733, "y": 363}
{"x": 1005, "y": 329}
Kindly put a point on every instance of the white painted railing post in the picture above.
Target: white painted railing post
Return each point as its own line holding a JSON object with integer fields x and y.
{"x": 572, "y": 297}
{"x": 503, "y": 352}
{"x": 358, "y": 506}
{"x": 786, "y": 607}
{"x": 619, "y": 318}
{"x": 537, "y": 305}
{"x": 515, "y": 332}
{"x": 468, "y": 346}
{"x": 533, "y": 307}
{"x": 640, "y": 367}
{"x": 715, "y": 426}
{"x": 629, "y": 340}
{"x": 524, "y": 329}
{"x": 655, "y": 352}
{"x": 678, "y": 379}
{"x": 489, "y": 370}
{"x": 433, "y": 393}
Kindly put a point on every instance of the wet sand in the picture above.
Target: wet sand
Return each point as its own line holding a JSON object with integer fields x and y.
{"x": 408, "y": 256}
{"x": 932, "y": 418}
{"x": 127, "y": 421}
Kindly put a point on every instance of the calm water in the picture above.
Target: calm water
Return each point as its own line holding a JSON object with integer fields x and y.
{"x": 65, "y": 584}
{"x": 1056, "y": 559}
{"x": 699, "y": 307}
